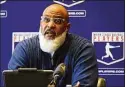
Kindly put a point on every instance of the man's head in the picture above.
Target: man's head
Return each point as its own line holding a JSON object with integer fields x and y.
{"x": 54, "y": 21}
{"x": 54, "y": 25}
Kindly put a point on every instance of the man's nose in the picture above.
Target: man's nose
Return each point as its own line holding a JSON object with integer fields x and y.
{"x": 51, "y": 24}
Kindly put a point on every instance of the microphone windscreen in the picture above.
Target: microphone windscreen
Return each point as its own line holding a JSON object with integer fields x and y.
{"x": 60, "y": 70}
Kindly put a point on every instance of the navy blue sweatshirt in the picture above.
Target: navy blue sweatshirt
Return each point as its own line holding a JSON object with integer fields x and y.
{"x": 77, "y": 53}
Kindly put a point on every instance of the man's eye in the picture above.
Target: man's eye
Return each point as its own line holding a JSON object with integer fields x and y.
{"x": 58, "y": 21}
{"x": 46, "y": 19}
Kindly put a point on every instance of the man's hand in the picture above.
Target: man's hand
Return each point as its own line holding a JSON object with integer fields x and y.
{"x": 78, "y": 84}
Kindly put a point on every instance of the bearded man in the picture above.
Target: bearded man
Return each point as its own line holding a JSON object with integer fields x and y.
{"x": 55, "y": 45}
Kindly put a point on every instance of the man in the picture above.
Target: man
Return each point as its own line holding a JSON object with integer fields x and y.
{"x": 54, "y": 45}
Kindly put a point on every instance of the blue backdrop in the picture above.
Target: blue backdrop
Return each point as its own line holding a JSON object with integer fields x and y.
{"x": 97, "y": 16}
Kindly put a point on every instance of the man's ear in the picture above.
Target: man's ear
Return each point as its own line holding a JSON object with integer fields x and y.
{"x": 68, "y": 26}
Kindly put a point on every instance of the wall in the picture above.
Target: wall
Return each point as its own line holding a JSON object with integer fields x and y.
{"x": 100, "y": 21}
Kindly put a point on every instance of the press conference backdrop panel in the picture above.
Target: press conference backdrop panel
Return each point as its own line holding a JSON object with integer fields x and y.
{"x": 101, "y": 21}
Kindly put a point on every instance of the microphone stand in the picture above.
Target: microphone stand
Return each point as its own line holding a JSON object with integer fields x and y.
{"x": 54, "y": 82}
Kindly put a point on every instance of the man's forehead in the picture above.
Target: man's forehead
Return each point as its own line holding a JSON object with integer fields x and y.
{"x": 52, "y": 13}
{"x": 55, "y": 10}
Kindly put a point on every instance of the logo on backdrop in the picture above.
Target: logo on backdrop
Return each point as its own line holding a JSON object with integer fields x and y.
{"x": 77, "y": 13}
{"x": 109, "y": 50}
{"x": 19, "y": 36}
{"x": 3, "y": 13}
{"x": 70, "y": 3}
{"x": 2, "y": 1}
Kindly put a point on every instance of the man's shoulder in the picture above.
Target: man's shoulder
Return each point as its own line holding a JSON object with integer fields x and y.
{"x": 30, "y": 41}
{"x": 78, "y": 45}
{"x": 78, "y": 40}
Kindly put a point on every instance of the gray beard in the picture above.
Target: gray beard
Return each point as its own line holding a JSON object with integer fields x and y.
{"x": 50, "y": 46}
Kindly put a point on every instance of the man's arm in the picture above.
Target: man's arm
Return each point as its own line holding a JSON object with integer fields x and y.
{"x": 85, "y": 68}
{"x": 19, "y": 57}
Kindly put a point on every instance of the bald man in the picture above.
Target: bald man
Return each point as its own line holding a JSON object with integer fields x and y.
{"x": 55, "y": 45}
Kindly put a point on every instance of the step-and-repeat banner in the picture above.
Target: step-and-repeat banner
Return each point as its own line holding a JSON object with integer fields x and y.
{"x": 101, "y": 21}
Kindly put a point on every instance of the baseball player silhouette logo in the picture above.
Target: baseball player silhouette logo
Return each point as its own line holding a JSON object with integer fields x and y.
{"x": 108, "y": 52}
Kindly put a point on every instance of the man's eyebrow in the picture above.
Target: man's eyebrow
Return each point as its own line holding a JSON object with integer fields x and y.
{"x": 57, "y": 16}
{"x": 46, "y": 15}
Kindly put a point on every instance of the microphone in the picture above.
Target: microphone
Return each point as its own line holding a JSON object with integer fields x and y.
{"x": 58, "y": 73}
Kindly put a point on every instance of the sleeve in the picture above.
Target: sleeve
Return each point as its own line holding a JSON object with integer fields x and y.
{"x": 19, "y": 57}
{"x": 85, "y": 68}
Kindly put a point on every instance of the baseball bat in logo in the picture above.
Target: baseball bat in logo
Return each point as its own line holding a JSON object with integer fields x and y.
{"x": 3, "y": 1}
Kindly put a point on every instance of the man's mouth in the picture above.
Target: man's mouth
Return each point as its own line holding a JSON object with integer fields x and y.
{"x": 50, "y": 34}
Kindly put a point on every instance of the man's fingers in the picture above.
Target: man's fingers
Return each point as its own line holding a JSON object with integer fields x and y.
{"x": 78, "y": 84}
